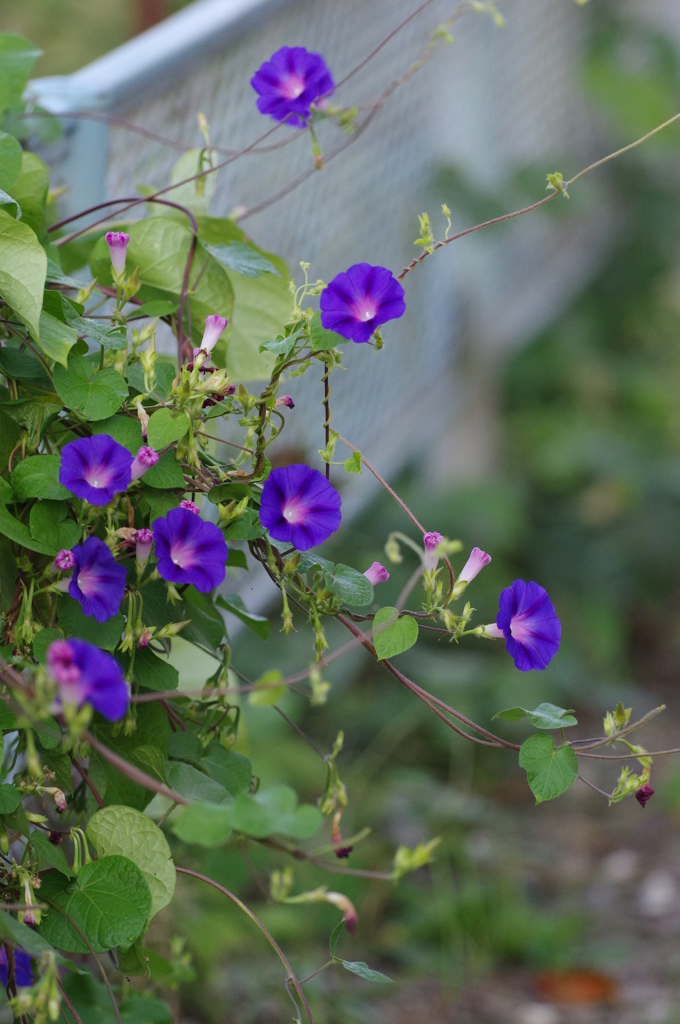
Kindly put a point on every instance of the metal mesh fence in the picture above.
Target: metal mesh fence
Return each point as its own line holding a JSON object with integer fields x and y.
{"x": 488, "y": 104}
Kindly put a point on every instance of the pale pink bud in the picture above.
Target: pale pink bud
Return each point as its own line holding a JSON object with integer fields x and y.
{"x": 377, "y": 574}
{"x": 64, "y": 560}
{"x": 348, "y": 909}
{"x": 144, "y": 459}
{"x": 430, "y": 542}
{"x": 285, "y": 400}
{"x": 144, "y": 544}
{"x": 145, "y": 638}
{"x": 59, "y": 801}
{"x": 118, "y": 243}
{"x": 191, "y": 506}
{"x": 214, "y": 325}
{"x": 474, "y": 565}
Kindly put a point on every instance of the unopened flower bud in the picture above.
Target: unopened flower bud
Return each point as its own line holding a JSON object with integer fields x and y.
{"x": 191, "y": 506}
{"x": 146, "y": 636}
{"x": 214, "y": 325}
{"x": 143, "y": 547}
{"x": 285, "y": 400}
{"x": 377, "y": 574}
{"x": 430, "y": 542}
{"x": 143, "y": 417}
{"x": 64, "y": 560}
{"x": 118, "y": 243}
{"x": 144, "y": 459}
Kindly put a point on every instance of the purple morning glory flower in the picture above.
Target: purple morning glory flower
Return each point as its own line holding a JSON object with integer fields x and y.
{"x": 117, "y": 242}
{"x": 190, "y": 550}
{"x": 299, "y": 506}
{"x": 145, "y": 458}
{"x": 289, "y": 82}
{"x": 98, "y": 582}
{"x": 527, "y": 620}
{"x": 86, "y": 675}
{"x": 95, "y": 468}
{"x": 358, "y": 301}
{"x": 23, "y": 973}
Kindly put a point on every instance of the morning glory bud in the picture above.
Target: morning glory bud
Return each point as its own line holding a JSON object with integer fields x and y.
{"x": 143, "y": 547}
{"x": 64, "y": 560}
{"x": 214, "y": 325}
{"x": 144, "y": 459}
{"x": 377, "y": 574}
{"x": 430, "y": 542}
{"x": 191, "y": 506}
{"x": 118, "y": 243}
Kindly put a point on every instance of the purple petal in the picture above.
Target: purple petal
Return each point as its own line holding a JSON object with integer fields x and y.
{"x": 100, "y": 681}
{"x": 98, "y": 582}
{"x": 289, "y": 82}
{"x": 530, "y": 625}
{"x": 95, "y": 468}
{"x": 359, "y": 300}
{"x": 299, "y": 506}
{"x": 190, "y": 550}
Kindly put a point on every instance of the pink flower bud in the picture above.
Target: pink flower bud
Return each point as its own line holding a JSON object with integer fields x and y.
{"x": 430, "y": 541}
{"x": 143, "y": 547}
{"x": 64, "y": 560}
{"x": 285, "y": 400}
{"x": 144, "y": 459}
{"x": 377, "y": 574}
{"x": 118, "y": 243}
{"x": 474, "y": 565}
{"x": 191, "y": 506}
{"x": 214, "y": 325}
{"x": 145, "y": 638}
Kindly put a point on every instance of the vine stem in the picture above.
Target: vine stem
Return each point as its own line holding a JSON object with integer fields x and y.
{"x": 132, "y": 772}
{"x": 291, "y": 976}
{"x": 384, "y": 483}
{"x": 68, "y": 1002}
{"x": 88, "y": 782}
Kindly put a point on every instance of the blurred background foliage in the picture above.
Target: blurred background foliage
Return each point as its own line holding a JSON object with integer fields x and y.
{"x": 584, "y": 498}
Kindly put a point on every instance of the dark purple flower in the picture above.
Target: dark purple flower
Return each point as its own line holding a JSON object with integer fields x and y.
{"x": 95, "y": 468}
{"x": 23, "y": 974}
{"x": 358, "y": 301}
{"x": 86, "y": 675}
{"x": 117, "y": 242}
{"x": 643, "y": 794}
{"x": 190, "y": 550}
{"x": 98, "y": 581}
{"x": 64, "y": 560}
{"x": 145, "y": 458}
{"x": 528, "y": 622}
{"x": 289, "y": 82}
{"x": 299, "y": 506}
{"x": 377, "y": 574}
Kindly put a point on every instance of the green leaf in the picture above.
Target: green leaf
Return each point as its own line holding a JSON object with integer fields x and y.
{"x": 30, "y": 191}
{"x": 264, "y": 693}
{"x": 353, "y": 463}
{"x": 125, "y": 831}
{"x": 393, "y": 635}
{"x": 185, "y": 746}
{"x": 10, "y": 798}
{"x": 321, "y": 339}
{"x": 109, "y": 902}
{"x": 113, "y": 338}
{"x": 241, "y": 258}
{"x": 7, "y": 200}
{"x": 153, "y": 672}
{"x": 159, "y": 502}
{"x": 95, "y": 395}
{"x": 193, "y": 784}
{"x": 270, "y": 812}
{"x": 351, "y": 587}
{"x": 48, "y": 522}
{"x": 231, "y": 770}
{"x": 74, "y": 623}
{"x": 550, "y": 771}
{"x": 23, "y": 936}
{"x": 23, "y": 266}
{"x": 20, "y": 363}
{"x": 145, "y": 748}
{"x": 246, "y": 527}
{"x": 311, "y": 561}
{"x": 365, "y": 972}
{"x": 545, "y": 716}
{"x": 278, "y": 346}
{"x": 126, "y": 430}
{"x": 166, "y": 474}
{"x": 155, "y": 307}
{"x": 38, "y": 477}
{"x": 259, "y": 624}
{"x": 166, "y": 371}
{"x": 42, "y": 641}
{"x": 56, "y": 338}
{"x": 237, "y": 559}
{"x": 20, "y": 534}
{"x": 10, "y": 158}
{"x": 54, "y": 855}
{"x": 164, "y": 429}
{"x": 17, "y": 57}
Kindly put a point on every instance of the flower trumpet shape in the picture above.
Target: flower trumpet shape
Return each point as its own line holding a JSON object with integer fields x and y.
{"x": 98, "y": 582}
{"x": 299, "y": 506}
{"x": 95, "y": 468}
{"x": 289, "y": 82}
{"x": 190, "y": 550}
{"x": 527, "y": 620}
{"x": 359, "y": 300}
{"x": 86, "y": 675}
